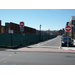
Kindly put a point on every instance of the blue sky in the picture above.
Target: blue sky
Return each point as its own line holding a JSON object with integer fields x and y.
{"x": 53, "y": 19}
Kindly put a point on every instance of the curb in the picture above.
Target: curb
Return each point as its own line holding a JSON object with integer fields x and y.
{"x": 42, "y": 51}
{"x": 74, "y": 42}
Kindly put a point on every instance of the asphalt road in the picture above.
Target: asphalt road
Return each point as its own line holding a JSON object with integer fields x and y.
{"x": 36, "y": 58}
{"x": 52, "y": 43}
{"x": 16, "y": 57}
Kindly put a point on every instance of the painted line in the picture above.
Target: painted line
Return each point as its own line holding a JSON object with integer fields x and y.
{"x": 3, "y": 59}
{"x": 6, "y": 57}
{"x": 10, "y": 55}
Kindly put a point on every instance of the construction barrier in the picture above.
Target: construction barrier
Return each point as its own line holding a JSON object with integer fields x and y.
{"x": 12, "y": 40}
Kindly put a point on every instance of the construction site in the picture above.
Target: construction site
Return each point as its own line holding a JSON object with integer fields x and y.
{"x": 16, "y": 28}
{"x": 18, "y": 38}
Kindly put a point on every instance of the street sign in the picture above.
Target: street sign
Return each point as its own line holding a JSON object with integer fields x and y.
{"x": 10, "y": 31}
{"x": 21, "y": 29}
{"x": 67, "y": 28}
{"x": 21, "y": 24}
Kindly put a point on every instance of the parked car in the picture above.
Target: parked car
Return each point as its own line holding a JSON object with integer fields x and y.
{"x": 64, "y": 41}
{"x": 63, "y": 36}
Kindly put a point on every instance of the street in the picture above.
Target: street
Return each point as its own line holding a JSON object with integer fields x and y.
{"x": 36, "y": 58}
{"x": 52, "y": 43}
{"x": 44, "y": 53}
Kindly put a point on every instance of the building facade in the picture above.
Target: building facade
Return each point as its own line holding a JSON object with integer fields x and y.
{"x": 72, "y": 24}
{"x": 16, "y": 28}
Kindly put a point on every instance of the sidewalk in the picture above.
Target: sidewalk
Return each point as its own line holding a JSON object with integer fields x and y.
{"x": 63, "y": 49}
{"x": 74, "y": 42}
{"x": 70, "y": 48}
{"x": 33, "y": 49}
{"x": 25, "y": 49}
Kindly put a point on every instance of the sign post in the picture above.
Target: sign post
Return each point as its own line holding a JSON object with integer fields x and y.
{"x": 22, "y": 30}
{"x": 67, "y": 28}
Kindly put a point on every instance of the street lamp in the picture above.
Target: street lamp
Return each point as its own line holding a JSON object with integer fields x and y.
{"x": 40, "y": 27}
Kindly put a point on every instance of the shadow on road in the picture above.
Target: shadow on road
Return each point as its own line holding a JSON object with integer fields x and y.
{"x": 17, "y": 47}
{"x": 21, "y": 46}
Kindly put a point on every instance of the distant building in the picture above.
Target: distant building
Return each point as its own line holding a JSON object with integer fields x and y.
{"x": 72, "y": 24}
{"x": 41, "y": 32}
{"x": 2, "y": 28}
{"x": 61, "y": 31}
{"x": 16, "y": 28}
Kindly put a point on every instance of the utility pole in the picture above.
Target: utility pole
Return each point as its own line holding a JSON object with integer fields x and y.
{"x": 72, "y": 31}
{"x": 40, "y": 33}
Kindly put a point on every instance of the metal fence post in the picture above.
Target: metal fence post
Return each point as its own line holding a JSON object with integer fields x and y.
{"x": 11, "y": 40}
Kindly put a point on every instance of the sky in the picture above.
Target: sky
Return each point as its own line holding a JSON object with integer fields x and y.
{"x": 53, "y": 19}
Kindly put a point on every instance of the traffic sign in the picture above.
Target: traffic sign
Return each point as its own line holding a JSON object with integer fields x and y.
{"x": 21, "y": 24}
{"x": 10, "y": 31}
{"x": 21, "y": 29}
{"x": 67, "y": 28}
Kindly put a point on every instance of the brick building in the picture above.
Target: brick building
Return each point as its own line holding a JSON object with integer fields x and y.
{"x": 2, "y": 28}
{"x": 72, "y": 24}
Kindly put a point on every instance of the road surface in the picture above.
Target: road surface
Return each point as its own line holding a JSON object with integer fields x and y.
{"x": 37, "y": 55}
{"x": 52, "y": 43}
{"x": 36, "y": 58}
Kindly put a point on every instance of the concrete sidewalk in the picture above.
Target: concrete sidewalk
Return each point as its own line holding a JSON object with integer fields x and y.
{"x": 31, "y": 49}
{"x": 74, "y": 42}
{"x": 69, "y": 48}
{"x": 25, "y": 49}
